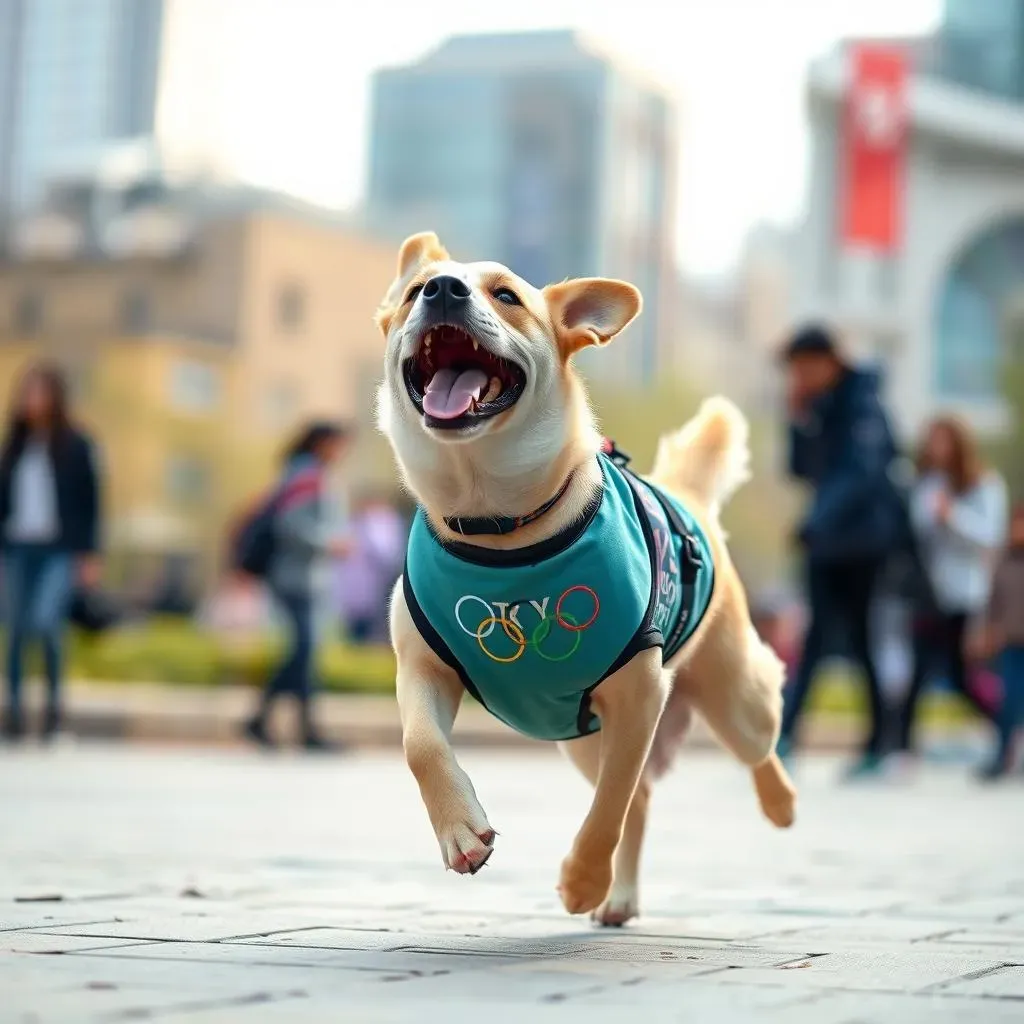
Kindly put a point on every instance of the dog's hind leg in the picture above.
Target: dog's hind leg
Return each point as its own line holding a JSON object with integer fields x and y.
{"x": 735, "y": 683}
{"x": 623, "y": 900}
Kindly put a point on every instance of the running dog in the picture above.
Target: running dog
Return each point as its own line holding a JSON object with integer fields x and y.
{"x": 575, "y": 600}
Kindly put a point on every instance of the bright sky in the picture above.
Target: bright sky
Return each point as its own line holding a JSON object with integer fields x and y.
{"x": 735, "y": 66}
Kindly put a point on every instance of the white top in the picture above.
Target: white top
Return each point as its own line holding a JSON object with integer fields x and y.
{"x": 960, "y": 554}
{"x": 33, "y": 517}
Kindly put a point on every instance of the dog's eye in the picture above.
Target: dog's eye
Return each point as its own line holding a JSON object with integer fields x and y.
{"x": 507, "y": 296}
{"x": 413, "y": 292}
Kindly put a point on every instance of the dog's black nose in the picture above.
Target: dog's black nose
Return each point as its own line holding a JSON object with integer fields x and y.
{"x": 445, "y": 293}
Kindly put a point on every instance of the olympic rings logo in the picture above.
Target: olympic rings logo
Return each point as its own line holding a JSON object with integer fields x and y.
{"x": 506, "y": 615}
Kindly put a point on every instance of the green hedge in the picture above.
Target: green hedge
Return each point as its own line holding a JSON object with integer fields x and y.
{"x": 174, "y": 651}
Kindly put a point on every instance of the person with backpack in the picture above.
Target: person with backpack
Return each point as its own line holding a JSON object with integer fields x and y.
{"x": 288, "y": 542}
{"x": 842, "y": 446}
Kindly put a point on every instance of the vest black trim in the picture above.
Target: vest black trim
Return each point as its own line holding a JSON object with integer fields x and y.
{"x": 433, "y": 638}
{"x": 690, "y": 564}
{"x": 647, "y": 635}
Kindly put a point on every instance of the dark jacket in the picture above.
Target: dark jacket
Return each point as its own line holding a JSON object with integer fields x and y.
{"x": 1006, "y": 607}
{"x": 78, "y": 493}
{"x": 844, "y": 449}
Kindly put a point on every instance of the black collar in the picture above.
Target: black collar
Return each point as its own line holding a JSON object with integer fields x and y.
{"x": 476, "y": 526}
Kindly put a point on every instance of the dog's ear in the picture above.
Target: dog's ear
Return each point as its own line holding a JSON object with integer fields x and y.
{"x": 416, "y": 251}
{"x": 590, "y": 311}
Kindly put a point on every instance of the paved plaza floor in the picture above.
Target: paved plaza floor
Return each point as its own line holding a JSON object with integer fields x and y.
{"x": 173, "y": 884}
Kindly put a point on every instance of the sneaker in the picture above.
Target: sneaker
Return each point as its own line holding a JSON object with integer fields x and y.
{"x": 869, "y": 766}
{"x": 996, "y": 769}
{"x": 256, "y": 730}
{"x": 784, "y": 750}
{"x": 51, "y": 724}
{"x": 13, "y": 727}
{"x": 313, "y": 741}
{"x": 899, "y": 766}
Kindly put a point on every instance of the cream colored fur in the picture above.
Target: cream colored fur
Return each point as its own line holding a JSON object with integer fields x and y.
{"x": 510, "y": 465}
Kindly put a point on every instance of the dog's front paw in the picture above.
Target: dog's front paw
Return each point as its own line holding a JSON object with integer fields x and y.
{"x": 584, "y": 882}
{"x": 622, "y": 905}
{"x": 464, "y": 850}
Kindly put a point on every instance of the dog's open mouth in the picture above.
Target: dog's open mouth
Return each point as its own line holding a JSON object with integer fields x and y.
{"x": 455, "y": 382}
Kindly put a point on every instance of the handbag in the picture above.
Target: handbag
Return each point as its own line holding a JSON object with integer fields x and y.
{"x": 93, "y": 611}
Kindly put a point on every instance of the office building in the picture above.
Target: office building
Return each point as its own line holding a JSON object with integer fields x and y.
{"x": 79, "y": 78}
{"x": 198, "y": 330}
{"x": 942, "y": 304}
{"x": 541, "y": 152}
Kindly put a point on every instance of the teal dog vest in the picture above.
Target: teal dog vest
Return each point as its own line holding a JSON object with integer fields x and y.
{"x": 532, "y": 631}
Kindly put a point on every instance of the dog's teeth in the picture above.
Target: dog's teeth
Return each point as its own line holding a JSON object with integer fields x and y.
{"x": 476, "y": 344}
{"x": 493, "y": 389}
{"x": 428, "y": 340}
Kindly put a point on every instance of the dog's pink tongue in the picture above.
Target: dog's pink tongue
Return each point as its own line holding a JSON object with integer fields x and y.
{"x": 450, "y": 393}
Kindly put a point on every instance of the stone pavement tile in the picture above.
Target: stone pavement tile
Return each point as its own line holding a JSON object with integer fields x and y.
{"x": 194, "y": 926}
{"x": 1004, "y": 982}
{"x": 988, "y": 909}
{"x": 1008, "y": 941}
{"x": 887, "y": 971}
{"x": 317, "y": 1011}
{"x": 76, "y": 989}
{"x": 402, "y": 961}
{"x": 660, "y": 953}
{"x": 855, "y": 932}
{"x": 341, "y": 938}
{"x": 873, "y": 1008}
{"x": 16, "y": 918}
{"x": 732, "y": 926}
{"x": 593, "y": 944}
{"x": 43, "y": 943}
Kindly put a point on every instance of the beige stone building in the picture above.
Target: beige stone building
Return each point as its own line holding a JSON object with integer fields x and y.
{"x": 198, "y": 332}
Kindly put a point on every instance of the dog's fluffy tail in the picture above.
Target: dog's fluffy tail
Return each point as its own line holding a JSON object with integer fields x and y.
{"x": 708, "y": 458}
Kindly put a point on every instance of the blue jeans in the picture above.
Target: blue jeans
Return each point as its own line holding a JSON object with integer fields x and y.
{"x": 295, "y": 673}
{"x": 37, "y": 590}
{"x": 1011, "y": 712}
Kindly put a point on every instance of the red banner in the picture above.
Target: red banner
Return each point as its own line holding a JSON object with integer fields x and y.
{"x": 874, "y": 141}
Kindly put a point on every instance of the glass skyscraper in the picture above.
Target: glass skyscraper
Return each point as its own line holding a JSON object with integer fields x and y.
{"x": 74, "y": 75}
{"x": 536, "y": 151}
{"x": 982, "y": 45}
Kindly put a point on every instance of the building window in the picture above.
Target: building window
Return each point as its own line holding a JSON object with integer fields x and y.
{"x": 281, "y": 404}
{"x": 28, "y": 313}
{"x": 971, "y": 335}
{"x": 291, "y": 307}
{"x": 188, "y": 479}
{"x": 135, "y": 311}
{"x": 195, "y": 387}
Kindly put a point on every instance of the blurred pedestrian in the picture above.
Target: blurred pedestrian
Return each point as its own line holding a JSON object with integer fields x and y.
{"x": 1001, "y": 634}
{"x": 959, "y": 514}
{"x": 367, "y": 575}
{"x": 49, "y": 527}
{"x": 842, "y": 446}
{"x": 303, "y": 543}
{"x": 779, "y": 623}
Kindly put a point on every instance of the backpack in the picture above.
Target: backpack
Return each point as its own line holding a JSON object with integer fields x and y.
{"x": 253, "y": 541}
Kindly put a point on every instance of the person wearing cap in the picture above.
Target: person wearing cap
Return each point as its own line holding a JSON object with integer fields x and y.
{"x": 840, "y": 445}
